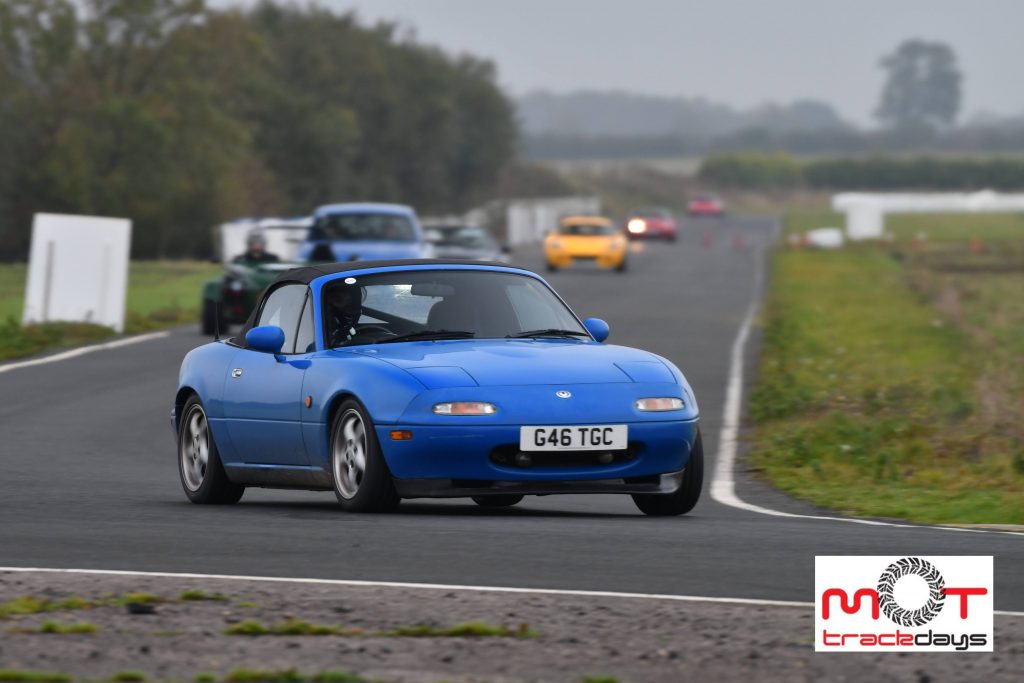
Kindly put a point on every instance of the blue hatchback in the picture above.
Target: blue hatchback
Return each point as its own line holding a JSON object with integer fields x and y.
{"x": 364, "y": 232}
{"x": 415, "y": 378}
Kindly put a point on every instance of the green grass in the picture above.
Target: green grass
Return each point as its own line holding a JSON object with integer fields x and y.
{"x": 298, "y": 627}
{"x": 289, "y": 676}
{"x": 19, "y": 676}
{"x": 196, "y": 595}
{"x": 57, "y": 628}
{"x": 138, "y": 598}
{"x": 470, "y": 629}
{"x": 890, "y": 384}
{"x": 160, "y": 294}
{"x": 264, "y": 676}
{"x": 288, "y": 627}
{"x": 128, "y": 677}
{"x": 31, "y": 604}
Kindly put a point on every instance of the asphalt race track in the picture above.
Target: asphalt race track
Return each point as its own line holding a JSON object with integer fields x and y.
{"x": 89, "y": 475}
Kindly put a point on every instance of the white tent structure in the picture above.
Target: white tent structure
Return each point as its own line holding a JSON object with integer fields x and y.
{"x": 865, "y": 212}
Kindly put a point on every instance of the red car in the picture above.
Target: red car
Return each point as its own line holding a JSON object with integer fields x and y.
{"x": 706, "y": 205}
{"x": 652, "y": 222}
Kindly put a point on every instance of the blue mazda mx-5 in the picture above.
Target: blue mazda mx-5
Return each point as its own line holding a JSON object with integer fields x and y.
{"x": 407, "y": 379}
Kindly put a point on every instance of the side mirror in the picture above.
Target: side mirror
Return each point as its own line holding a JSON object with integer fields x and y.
{"x": 266, "y": 338}
{"x": 597, "y": 328}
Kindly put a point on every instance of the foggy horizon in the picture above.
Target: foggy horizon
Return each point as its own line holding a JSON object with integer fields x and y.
{"x": 735, "y": 53}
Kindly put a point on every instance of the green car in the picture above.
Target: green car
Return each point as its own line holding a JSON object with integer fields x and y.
{"x": 229, "y": 299}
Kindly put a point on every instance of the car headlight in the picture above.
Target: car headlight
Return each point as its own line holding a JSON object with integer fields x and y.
{"x": 659, "y": 405}
{"x": 636, "y": 226}
{"x": 465, "y": 408}
{"x": 555, "y": 244}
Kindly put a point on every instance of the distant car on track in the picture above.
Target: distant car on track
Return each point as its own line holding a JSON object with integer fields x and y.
{"x": 364, "y": 232}
{"x": 652, "y": 221}
{"x": 459, "y": 241}
{"x": 228, "y": 299}
{"x": 586, "y": 238}
{"x": 706, "y": 205}
{"x": 419, "y": 378}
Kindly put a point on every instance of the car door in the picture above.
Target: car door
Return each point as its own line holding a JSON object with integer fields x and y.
{"x": 263, "y": 391}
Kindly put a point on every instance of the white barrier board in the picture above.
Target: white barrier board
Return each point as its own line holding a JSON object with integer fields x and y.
{"x": 78, "y": 270}
{"x": 865, "y": 212}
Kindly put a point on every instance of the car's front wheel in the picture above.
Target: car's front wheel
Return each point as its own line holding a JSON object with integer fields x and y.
{"x": 361, "y": 478}
{"x": 202, "y": 474}
{"x": 686, "y": 496}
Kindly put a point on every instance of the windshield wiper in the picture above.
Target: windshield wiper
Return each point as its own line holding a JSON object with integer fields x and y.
{"x": 549, "y": 332}
{"x": 429, "y": 334}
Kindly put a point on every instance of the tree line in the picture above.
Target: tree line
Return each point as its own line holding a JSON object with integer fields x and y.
{"x": 781, "y": 171}
{"x": 180, "y": 116}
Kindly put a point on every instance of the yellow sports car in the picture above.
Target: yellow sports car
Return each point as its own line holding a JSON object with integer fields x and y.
{"x": 586, "y": 238}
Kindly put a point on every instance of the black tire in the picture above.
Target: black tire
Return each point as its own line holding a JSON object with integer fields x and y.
{"x": 372, "y": 489}
{"x": 209, "y": 484}
{"x": 552, "y": 267}
{"x": 621, "y": 268}
{"x": 501, "y": 500}
{"x": 208, "y": 319}
{"x": 685, "y": 497}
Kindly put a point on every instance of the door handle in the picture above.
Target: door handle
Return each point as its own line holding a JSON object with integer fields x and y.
{"x": 236, "y": 373}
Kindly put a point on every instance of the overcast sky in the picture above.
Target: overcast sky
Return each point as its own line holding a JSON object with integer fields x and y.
{"x": 739, "y": 52}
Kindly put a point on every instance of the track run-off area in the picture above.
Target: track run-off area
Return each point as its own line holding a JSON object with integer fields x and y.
{"x": 90, "y": 479}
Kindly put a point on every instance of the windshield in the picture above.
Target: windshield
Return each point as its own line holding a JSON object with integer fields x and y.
{"x": 458, "y": 303}
{"x": 364, "y": 227}
{"x": 586, "y": 229}
{"x": 468, "y": 236}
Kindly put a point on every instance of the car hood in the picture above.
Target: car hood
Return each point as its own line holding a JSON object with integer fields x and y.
{"x": 367, "y": 251}
{"x": 477, "y": 253}
{"x": 514, "y": 362}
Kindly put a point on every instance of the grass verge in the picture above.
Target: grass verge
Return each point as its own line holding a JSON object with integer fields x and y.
{"x": 160, "y": 294}
{"x": 890, "y": 381}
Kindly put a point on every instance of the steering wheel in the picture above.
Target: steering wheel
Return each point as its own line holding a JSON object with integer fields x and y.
{"x": 374, "y": 328}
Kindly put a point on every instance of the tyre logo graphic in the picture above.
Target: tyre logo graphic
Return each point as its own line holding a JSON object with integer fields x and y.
{"x": 911, "y": 566}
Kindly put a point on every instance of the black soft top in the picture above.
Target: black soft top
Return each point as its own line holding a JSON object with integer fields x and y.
{"x": 306, "y": 274}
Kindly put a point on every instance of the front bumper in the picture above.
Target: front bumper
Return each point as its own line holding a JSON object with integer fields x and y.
{"x": 461, "y": 488}
{"x": 607, "y": 259}
{"x": 483, "y": 457}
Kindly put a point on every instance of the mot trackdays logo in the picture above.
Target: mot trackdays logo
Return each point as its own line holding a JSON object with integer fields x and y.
{"x": 903, "y": 603}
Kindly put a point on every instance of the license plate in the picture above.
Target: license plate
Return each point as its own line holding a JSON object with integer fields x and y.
{"x": 582, "y": 438}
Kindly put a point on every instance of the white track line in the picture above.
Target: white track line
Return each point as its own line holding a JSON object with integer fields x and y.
{"x": 723, "y": 483}
{"x": 433, "y": 586}
{"x": 82, "y": 350}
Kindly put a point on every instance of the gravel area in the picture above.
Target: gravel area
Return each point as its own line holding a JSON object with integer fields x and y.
{"x": 632, "y": 640}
